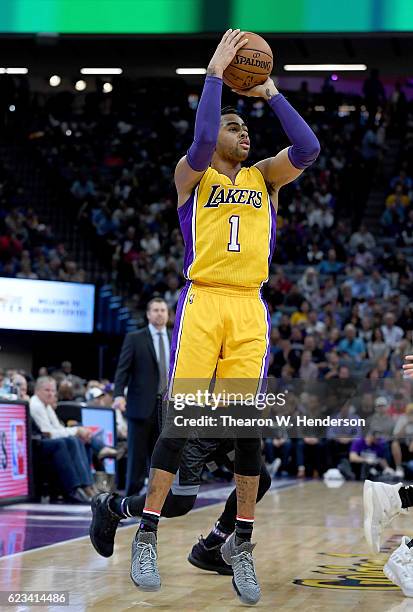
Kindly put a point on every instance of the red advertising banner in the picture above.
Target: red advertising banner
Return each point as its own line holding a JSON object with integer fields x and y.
{"x": 14, "y": 476}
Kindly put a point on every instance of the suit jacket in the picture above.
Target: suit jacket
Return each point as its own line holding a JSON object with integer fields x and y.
{"x": 138, "y": 370}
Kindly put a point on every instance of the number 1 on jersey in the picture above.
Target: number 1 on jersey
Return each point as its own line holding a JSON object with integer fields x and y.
{"x": 233, "y": 244}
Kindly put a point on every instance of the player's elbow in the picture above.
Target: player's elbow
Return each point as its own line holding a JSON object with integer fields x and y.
{"x": 316, "y": 147}
{"x": 305, "y": 155}
{"x": 313, "y": 150}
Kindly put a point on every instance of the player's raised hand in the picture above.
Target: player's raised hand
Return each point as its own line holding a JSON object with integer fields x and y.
{"x": 225, "y": 52}
{"x": 266, "y": 90}
{"x": 408, "y": 366}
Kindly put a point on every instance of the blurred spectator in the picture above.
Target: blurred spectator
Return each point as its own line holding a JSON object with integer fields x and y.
{"x": 95, "y": 396}
{"x": 378, "y": 286}
{"x": 397, "y": 198}
{"x": 65, "y": 391}
{"x": 366, "y": 330}
{"x": 350, "y": 345}
{"x": 359, "y": 284}
{"x": 362, "y": 236}
{"x": 63, "y": 446}
{"x": 376, "y": 347}
{"x": 367, "y": 456}
{"x": 330, "y": 265}
{"x": 392, "y": 334}
{"x": 308, "y": 369}
{"x": 308, "y": 285}
{"x": 301, "y": 316}
{"x": 339, "y": 437}
{"x": 364, "y": 259}
{"x": 398, "y": 406}
{"x": 406, "y": 237}
{"x": 329, "y": 291}
{"x": 332, "y": 367}
{"x": 19, "y": 383}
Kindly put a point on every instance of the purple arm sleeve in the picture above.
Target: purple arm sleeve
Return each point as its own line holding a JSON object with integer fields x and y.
{"x": 208, "y": 117}
{"x": 305, "y": 146}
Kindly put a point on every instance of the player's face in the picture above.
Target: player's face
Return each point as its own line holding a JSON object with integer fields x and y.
{"x": 233, "y": 140}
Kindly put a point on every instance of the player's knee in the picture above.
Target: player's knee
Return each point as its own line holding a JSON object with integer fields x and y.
{"x": 167, "y": 454}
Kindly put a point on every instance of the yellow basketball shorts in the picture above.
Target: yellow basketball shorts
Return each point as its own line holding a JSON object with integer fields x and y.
{"x": 220, "y": 332}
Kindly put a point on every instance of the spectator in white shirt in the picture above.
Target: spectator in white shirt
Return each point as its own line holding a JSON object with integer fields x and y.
{"x": 62, "y": 446}
{"x": 362, "y": 237}
{"x": 392, "y": 333}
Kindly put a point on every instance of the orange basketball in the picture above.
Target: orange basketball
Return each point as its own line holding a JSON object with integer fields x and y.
{"x": 252, "y": 64}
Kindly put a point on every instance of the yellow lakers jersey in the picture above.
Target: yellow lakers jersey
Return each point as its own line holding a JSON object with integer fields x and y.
{"x": 228, "y": 229}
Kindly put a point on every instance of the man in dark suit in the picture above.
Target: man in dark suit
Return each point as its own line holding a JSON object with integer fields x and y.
{"x": 143, "y": 369}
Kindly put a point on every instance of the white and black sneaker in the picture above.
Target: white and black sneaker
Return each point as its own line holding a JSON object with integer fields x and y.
{"x": 382, "y": 504}
{"x": 399, "y": 567}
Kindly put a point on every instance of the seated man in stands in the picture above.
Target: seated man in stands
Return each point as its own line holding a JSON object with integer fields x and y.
{"x": 62, "y": 446}
{"x": 19, "y": 384}
{"x": 350, "y": 346}
{"x": 367, "y": 456}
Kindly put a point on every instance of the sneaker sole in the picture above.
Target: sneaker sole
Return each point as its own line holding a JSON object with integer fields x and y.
{"x": 145, "y": 588}
{"x": 96, "y": 547}
{"x": 368, "y": 506}
{"x": 391, "y": 575}
{"x": 209, "y": 568}
{"x": 238, "y": 594}
{"x": 93, "y": 507}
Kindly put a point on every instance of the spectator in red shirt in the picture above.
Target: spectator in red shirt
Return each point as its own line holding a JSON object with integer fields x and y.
{"x": 398, "y": 406}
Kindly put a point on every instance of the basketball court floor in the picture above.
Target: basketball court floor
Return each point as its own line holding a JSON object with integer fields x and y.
{"x": 310, "y": 555}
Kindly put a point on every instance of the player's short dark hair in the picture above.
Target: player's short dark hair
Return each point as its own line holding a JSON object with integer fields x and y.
{"x": 230, "y": 110}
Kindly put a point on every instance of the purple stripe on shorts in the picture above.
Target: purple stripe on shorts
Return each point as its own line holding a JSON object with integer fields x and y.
{"x": 185, "y": 221}
{"x": 267, "y": 354}
{"x": 273, "y": 233}
{"x": 175, "y": 333}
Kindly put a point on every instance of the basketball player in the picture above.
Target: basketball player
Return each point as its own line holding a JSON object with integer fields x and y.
{"x": 109, "y": 509}
{"x": 383, "y": 503}
{"x": 227, "y": 215}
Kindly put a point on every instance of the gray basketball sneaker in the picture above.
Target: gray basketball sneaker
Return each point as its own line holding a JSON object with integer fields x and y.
{"x": 144, "y": 569}
{"x": 244, "y": 580}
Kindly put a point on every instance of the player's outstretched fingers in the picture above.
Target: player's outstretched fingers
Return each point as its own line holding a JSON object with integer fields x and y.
{"x": 226, "y": 35}
{"x": 234, "y": 35}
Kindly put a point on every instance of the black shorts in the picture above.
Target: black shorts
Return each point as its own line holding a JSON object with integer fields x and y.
{"x": 198, "y": 453}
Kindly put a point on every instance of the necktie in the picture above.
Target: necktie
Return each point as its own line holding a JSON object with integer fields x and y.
{"x": 163, "y": 380}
